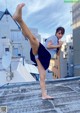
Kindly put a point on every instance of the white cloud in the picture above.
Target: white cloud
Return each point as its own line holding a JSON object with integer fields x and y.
{"x": 36, "y": 5}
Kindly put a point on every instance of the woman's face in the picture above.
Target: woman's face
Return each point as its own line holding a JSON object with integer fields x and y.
{"x": 59, "y": 35}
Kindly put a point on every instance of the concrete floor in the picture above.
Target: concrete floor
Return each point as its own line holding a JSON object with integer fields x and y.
{"x": 26, "y": 97}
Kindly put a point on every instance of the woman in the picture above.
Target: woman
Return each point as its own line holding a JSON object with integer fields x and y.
{"x": 38, "y": 52}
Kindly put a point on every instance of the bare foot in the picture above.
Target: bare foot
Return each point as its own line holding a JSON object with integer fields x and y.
{"x": 47, "y": 97}
{"x": 18, "y": 13}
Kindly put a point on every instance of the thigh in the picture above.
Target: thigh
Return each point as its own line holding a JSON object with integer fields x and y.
{"x": 34, "y": 44}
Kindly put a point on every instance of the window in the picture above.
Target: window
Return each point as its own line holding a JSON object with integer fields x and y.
{"x": 15, "y": 52}
{"x": 4, "y": 37}
{"x": 6, "y": 49}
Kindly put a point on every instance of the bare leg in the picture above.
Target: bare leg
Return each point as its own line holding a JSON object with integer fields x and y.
{"x": 27, "y": 33}
{"x": 42, "y": 80}
{"x": 34, "y": 44}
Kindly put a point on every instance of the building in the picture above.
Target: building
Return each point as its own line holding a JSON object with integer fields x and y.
{"x": 70, "y": 51}
{"x": 76, "y": 37}
{"x": 67, "y": 57}
{"x": 9, "y": 29}
{"x": 5, "y": 45}
{"x": 70, "y": 60}
{"x": 63, "y": 65}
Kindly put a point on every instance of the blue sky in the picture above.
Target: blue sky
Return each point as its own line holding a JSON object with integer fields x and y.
{"x": 45, "y": 15}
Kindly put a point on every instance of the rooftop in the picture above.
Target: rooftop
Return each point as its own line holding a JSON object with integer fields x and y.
{"x": 26, "y": 97}
{"x": 6, "y": 12}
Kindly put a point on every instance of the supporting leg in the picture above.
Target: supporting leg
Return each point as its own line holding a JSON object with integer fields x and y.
{"x": 42, "y": 73}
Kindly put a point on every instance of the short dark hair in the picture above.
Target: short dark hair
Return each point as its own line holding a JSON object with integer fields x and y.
{"x": 60, "y": 29}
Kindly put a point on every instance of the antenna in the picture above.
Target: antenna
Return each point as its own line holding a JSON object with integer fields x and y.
{"x": 6, "y": 63}
{"x": 6, "y": 3}
{"x": 6, "y": 8}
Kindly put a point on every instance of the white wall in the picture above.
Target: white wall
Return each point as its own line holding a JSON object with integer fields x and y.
{"x": 4, "y": 43}
{"x": 4, "y": 30}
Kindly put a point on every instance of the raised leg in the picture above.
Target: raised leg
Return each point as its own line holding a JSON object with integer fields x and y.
{"x": 27, "y": 33}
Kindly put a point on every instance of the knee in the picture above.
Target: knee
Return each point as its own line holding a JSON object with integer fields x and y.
{"x": 42, "y": 79}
